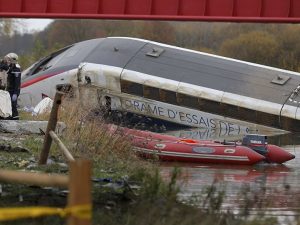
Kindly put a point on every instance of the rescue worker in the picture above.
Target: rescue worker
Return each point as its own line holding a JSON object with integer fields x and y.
{"x": 13, "y": 70}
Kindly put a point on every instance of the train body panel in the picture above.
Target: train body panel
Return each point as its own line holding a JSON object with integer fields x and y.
{"x": 173, "y": 76}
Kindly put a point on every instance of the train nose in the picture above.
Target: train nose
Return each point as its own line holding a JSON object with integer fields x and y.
{"x": 278, "y": 155}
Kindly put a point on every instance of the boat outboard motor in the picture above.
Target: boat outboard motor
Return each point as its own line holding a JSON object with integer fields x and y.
{"x": 256, "y": 142}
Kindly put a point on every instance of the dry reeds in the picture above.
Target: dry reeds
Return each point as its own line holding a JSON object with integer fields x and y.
{"x": 87, "y": 136}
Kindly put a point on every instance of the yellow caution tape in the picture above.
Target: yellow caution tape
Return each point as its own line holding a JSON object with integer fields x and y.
{"x": 80, "y": 211}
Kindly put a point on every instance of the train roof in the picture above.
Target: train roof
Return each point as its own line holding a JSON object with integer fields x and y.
{"x": 178, "y": 64}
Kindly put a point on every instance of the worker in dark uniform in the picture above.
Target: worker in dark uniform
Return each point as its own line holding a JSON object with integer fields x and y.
{"x": 13, "y": 70}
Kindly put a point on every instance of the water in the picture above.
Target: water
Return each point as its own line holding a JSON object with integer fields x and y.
{"x": 275, "y": 188}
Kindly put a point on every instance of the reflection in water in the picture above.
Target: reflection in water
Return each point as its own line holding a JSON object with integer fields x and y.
{"x": 276, "y": 187}
{"x": 194, "y": 177}
{"x": 217, "y": 134}
{"x": 208, "y": 134}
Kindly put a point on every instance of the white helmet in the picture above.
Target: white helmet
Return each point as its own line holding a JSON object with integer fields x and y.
{"x": 12, "y": 57}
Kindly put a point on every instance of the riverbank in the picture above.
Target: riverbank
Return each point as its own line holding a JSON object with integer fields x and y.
{"x": 126, "y": 189}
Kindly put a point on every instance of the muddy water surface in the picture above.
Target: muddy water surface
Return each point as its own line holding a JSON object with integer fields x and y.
{"x": 274, "y": 188}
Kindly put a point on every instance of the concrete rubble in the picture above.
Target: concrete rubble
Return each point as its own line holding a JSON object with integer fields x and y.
{"x": 27, "y": 127}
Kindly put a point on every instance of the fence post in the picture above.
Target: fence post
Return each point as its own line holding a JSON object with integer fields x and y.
{"x": 79, "y": 188}
{"x": 51, "y": 126}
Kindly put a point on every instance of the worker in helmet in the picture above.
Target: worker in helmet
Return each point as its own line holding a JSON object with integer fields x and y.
{"x": 13, "y": 70}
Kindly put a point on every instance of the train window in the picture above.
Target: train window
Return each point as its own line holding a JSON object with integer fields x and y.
{"x": 36, "y": 67}
{"x": 187, "y": 100}
{"x": 43, "y": 64}
{"x": 27, "y": 71}
{"x": 132, "y": 88}
{"x": 151, "y": 92}
{"x": 168, "y": 96}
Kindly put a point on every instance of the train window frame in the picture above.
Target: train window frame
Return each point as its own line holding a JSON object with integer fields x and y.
{"x": 41, "y": 64}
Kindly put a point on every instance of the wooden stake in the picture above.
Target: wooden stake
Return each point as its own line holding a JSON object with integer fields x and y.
{"x": 51, "y": 126}
{"x": 79, "y": 188}
{"x": 61, "y": 146}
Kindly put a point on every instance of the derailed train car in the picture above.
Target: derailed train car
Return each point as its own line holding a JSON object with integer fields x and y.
{"x": 170, "y": 83}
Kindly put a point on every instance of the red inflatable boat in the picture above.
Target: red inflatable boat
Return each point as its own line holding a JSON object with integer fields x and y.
{"x": 196, "y": 152}
{"x": 251, "y": 150}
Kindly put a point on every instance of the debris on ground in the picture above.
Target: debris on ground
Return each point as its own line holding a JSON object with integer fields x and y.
{"x": 9, "y": 148}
